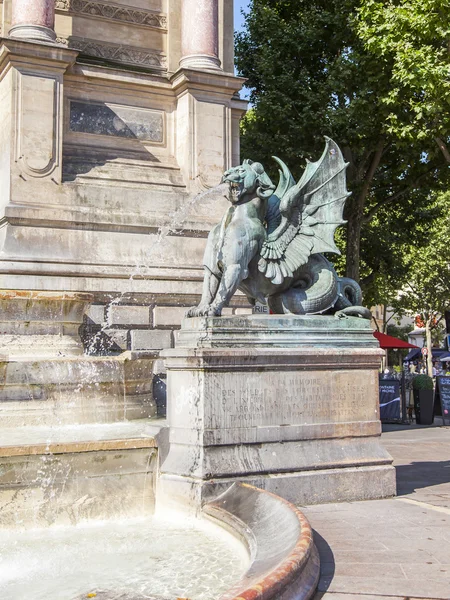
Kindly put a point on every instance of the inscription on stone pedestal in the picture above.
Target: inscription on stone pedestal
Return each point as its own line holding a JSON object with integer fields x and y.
{"x": 300, "y": 399}
{"x": 119, "y": 121}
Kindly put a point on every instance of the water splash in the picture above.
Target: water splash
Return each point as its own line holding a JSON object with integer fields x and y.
{"x": 96, "y": 344}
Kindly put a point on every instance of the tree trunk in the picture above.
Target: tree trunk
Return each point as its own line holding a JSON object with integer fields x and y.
{"x": 354, "y": 226}
{"x": 355, "y": 214}
{"x": 429, "y": 346}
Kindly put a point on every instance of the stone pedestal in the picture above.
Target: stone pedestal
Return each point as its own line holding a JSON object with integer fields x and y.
{"x": 286, "y": 403}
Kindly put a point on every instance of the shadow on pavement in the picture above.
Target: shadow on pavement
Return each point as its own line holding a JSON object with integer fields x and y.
{"x": 420, "y": 475}
{"x": 327, "y": 564}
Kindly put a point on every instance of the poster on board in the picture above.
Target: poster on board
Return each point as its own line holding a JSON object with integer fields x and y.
{"x": 442, "y": 395}
{"x": 390, "y": 399}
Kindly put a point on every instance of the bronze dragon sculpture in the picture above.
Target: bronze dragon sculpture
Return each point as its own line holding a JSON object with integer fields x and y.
{"x": 270, "y": 241}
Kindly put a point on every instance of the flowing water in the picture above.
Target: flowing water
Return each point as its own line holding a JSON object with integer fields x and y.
{"x": 154, "y": 254}
{"x": 147, "y": 558}
{"x": 169, "y": 558}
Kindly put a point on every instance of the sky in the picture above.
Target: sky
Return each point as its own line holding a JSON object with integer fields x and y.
{"x": 238, "y": 23}
{"x": 238, "y": 6}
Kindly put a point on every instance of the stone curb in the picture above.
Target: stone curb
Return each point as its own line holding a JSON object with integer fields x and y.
{"x": 284, "y": 560}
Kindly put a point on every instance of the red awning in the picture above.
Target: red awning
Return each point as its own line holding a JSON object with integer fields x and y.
{"x": 388, "y": 341}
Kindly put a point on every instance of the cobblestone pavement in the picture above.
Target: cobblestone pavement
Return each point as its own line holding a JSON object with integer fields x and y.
{"x": 400, "y": 547}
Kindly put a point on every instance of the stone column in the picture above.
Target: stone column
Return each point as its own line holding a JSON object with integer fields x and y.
{"x": 33, "y": 20}
{"x": 199, "y": 34}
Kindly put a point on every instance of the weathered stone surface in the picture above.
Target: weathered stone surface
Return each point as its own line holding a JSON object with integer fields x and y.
{"x": 273, "y": 415}
{"x": 96, "y": 314}
{"x": 116, "y": 339}
{"x": 168, "y": 315}
{"x": 150, "y": 339}
{"x": 240, "y": 311}
{"x": 43, "y": 490}
{"x": 116, "y": 120}
{"x": 265, "y": 331}
{"x": 115, "y": 12}
{"x": 128, "y": 315}
{"x": 285, "y": 561}
{"x": 56, "y": 391}
{"x": 41, "y": 324}
{"x": 89, "y": 227}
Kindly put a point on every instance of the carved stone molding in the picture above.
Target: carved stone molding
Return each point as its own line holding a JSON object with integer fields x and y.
{"x": 37, "y": 120}
{"x": 129, "y": 55}
{"x": 115, "y": 12}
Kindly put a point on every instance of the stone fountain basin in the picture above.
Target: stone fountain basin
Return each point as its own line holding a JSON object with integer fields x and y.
{"x": 272, "y": 540}
{"x": 284, "y": 560}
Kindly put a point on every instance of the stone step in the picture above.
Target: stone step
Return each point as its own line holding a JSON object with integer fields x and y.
{"x": 50, "y": 438}
{"x": 74, "y": 390}
{"x": 64, "y": 475}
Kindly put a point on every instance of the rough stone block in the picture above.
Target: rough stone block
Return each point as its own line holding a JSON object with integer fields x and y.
{"x": 116, "y": 339}
{"x": 150, "y": 339}
{"x": 70, "y": 487}
{"x": 128, "y": 315}
{"x": 75, "y": 390}
{"x": 96, "y": 313}
{"x": 243, "y": 311}
{"x": 168, "y": 315}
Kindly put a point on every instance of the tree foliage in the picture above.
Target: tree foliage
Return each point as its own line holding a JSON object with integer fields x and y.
{"x": 426, "y": 289}
{"x": 412, "y": 39}
{"x": 311, "y": 74}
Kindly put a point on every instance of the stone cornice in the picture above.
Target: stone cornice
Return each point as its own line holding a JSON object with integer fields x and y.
{"x": 25, "y": 52}
{"x": 128, "y": 55}
{"x": 189, "y": 79}
{"x": 114, "y": 12}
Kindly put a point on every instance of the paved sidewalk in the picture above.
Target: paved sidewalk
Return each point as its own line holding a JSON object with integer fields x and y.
{"x": 397, "y": 548}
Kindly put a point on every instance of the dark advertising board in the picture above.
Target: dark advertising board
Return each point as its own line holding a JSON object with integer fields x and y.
{"x": 443, "y": 396}
{"x": 390, "y": 399}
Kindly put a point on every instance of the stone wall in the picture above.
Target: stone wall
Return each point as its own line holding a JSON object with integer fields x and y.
{"x": 108, "y": 152}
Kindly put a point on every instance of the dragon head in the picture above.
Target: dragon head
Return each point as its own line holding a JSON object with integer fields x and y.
{"x": 246, "y": 180}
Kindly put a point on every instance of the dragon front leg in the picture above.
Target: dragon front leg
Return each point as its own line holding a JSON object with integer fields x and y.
{"x": 231, "y": 278}
{"x": 211, "y": 283}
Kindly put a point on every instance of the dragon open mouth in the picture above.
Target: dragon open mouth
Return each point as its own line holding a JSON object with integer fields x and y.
{"x": 236, "y": 190}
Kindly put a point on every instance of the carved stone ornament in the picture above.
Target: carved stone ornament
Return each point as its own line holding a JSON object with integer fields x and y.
{"x": 130, "y": 55}
{"x": 115, "y": 12}
{"x": 37, "y": 135}
{"x": 269, "y": 244}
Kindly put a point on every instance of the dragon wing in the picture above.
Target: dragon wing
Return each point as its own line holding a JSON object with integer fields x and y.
{"x": 310, "y": 211}
{"x": 286, "y": 181}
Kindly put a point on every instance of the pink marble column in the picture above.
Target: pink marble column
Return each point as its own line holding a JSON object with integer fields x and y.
{"x": 200, "y": 34}
{"x": 33, "y": 20}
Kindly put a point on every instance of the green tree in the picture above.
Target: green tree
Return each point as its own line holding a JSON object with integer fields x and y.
{"x": 426, "y": 291}
{"x": 396, "y": 356}
{"x": 411, "y": 38}
{"x": 311, "y": 75}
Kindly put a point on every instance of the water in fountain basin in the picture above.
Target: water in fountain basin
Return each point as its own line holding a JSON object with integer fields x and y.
{"x": 168, "y": 558}
{"x": 147, "y": 557}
